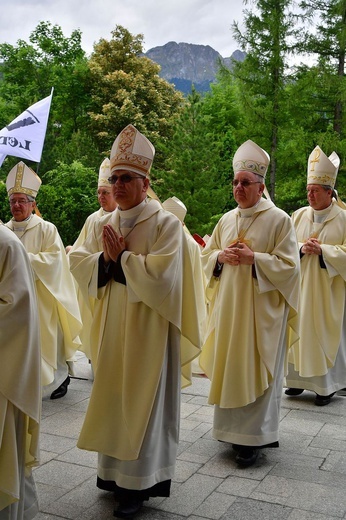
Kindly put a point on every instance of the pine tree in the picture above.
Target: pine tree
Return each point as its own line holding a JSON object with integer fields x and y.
{"x": 269, "y": 30}
{"x": 195, "y": 168}
{"x": 327, "y": 41}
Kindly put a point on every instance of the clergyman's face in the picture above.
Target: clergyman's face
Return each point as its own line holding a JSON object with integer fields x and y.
{"x": 318, "y": 197}
{"x": 247, "y": 189}
{"x": 106, "y": 198}
{"x": 129, "y": 194}
{"x": 21, "y": 207}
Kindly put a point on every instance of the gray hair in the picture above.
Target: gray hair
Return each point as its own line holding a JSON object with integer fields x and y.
{"x": 29, "y": 197}
{"x": 326, "y": 187}
{"x": 259, "y": 178}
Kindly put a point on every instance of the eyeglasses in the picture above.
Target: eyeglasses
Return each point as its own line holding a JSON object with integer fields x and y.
{"x": 245, "y": 183}
{"x": 124, "y": 179}
{"x": 20, "y": 202}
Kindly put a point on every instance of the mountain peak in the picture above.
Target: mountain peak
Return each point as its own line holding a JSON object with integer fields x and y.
{"x": 189, "y": 63}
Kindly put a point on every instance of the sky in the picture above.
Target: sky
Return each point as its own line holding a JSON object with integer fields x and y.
{"x": 201, "y": 22}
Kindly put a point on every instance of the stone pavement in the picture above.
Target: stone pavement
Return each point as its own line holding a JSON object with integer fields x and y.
{"x": 304, "y": 479}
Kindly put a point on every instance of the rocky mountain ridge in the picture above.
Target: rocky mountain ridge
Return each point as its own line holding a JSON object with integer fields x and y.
{"x": 187, "y": 64}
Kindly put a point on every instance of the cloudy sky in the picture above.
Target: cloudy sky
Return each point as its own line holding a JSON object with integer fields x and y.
{"x": 204, "y": 22}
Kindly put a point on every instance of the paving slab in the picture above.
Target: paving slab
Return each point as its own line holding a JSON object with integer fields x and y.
{"x": 303, "y": 479}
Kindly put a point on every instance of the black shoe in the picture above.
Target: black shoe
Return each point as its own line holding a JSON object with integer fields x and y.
{"x": 246, "y": 456}
{"x": 61, "y": 390}
{"x": 128, "y": 509}
{"x": 322, "y": 400}
{"x": 294, "y": 391}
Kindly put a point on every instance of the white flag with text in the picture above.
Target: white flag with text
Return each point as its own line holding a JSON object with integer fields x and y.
{"x": 24, "y": 136}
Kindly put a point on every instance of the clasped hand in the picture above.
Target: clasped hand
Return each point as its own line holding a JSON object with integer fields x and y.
{"x": 236, "y": 254}
{"x": 113, "y": 244}
{"x": 312, "y": 247}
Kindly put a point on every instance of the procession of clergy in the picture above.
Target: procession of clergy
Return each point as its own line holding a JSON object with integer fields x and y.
{"x": 260, "y": 307}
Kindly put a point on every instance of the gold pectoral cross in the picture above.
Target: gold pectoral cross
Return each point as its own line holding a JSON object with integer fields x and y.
{"x": 241, "y": 239}
{"x": 315, "y": 234}
{"x": 242, "y": 232}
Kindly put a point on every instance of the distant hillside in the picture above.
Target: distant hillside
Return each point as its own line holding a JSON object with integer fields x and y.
{"x": 185, "y": 64}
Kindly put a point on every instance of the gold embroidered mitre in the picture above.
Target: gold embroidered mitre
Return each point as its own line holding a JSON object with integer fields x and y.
{"x": 104, "y": 173}
{"x": 322, "y": 169}
{"x": 132, "y": 151}
{"x": 23, "y": 179}
{"x": 251, "y": 158}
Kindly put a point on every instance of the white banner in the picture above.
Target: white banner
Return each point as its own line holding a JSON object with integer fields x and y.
{"x": 24, "y": 136}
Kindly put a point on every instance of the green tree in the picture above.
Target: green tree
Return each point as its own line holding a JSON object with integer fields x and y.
{"x": 327, "y": 42}
{"x": 198, "y": 170}
{"x": 222, "y": 114}
{"x": 127, "y": 89}
{"x": 267, "y": 40}
{"x": 29, "y": 71}
{"x": 5, "y": 213}
{"x": 305, "y": 127}
{"x": 315, "y": 101}
{"x": 321, "y": 88}
{"x": 68, "y": 197}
